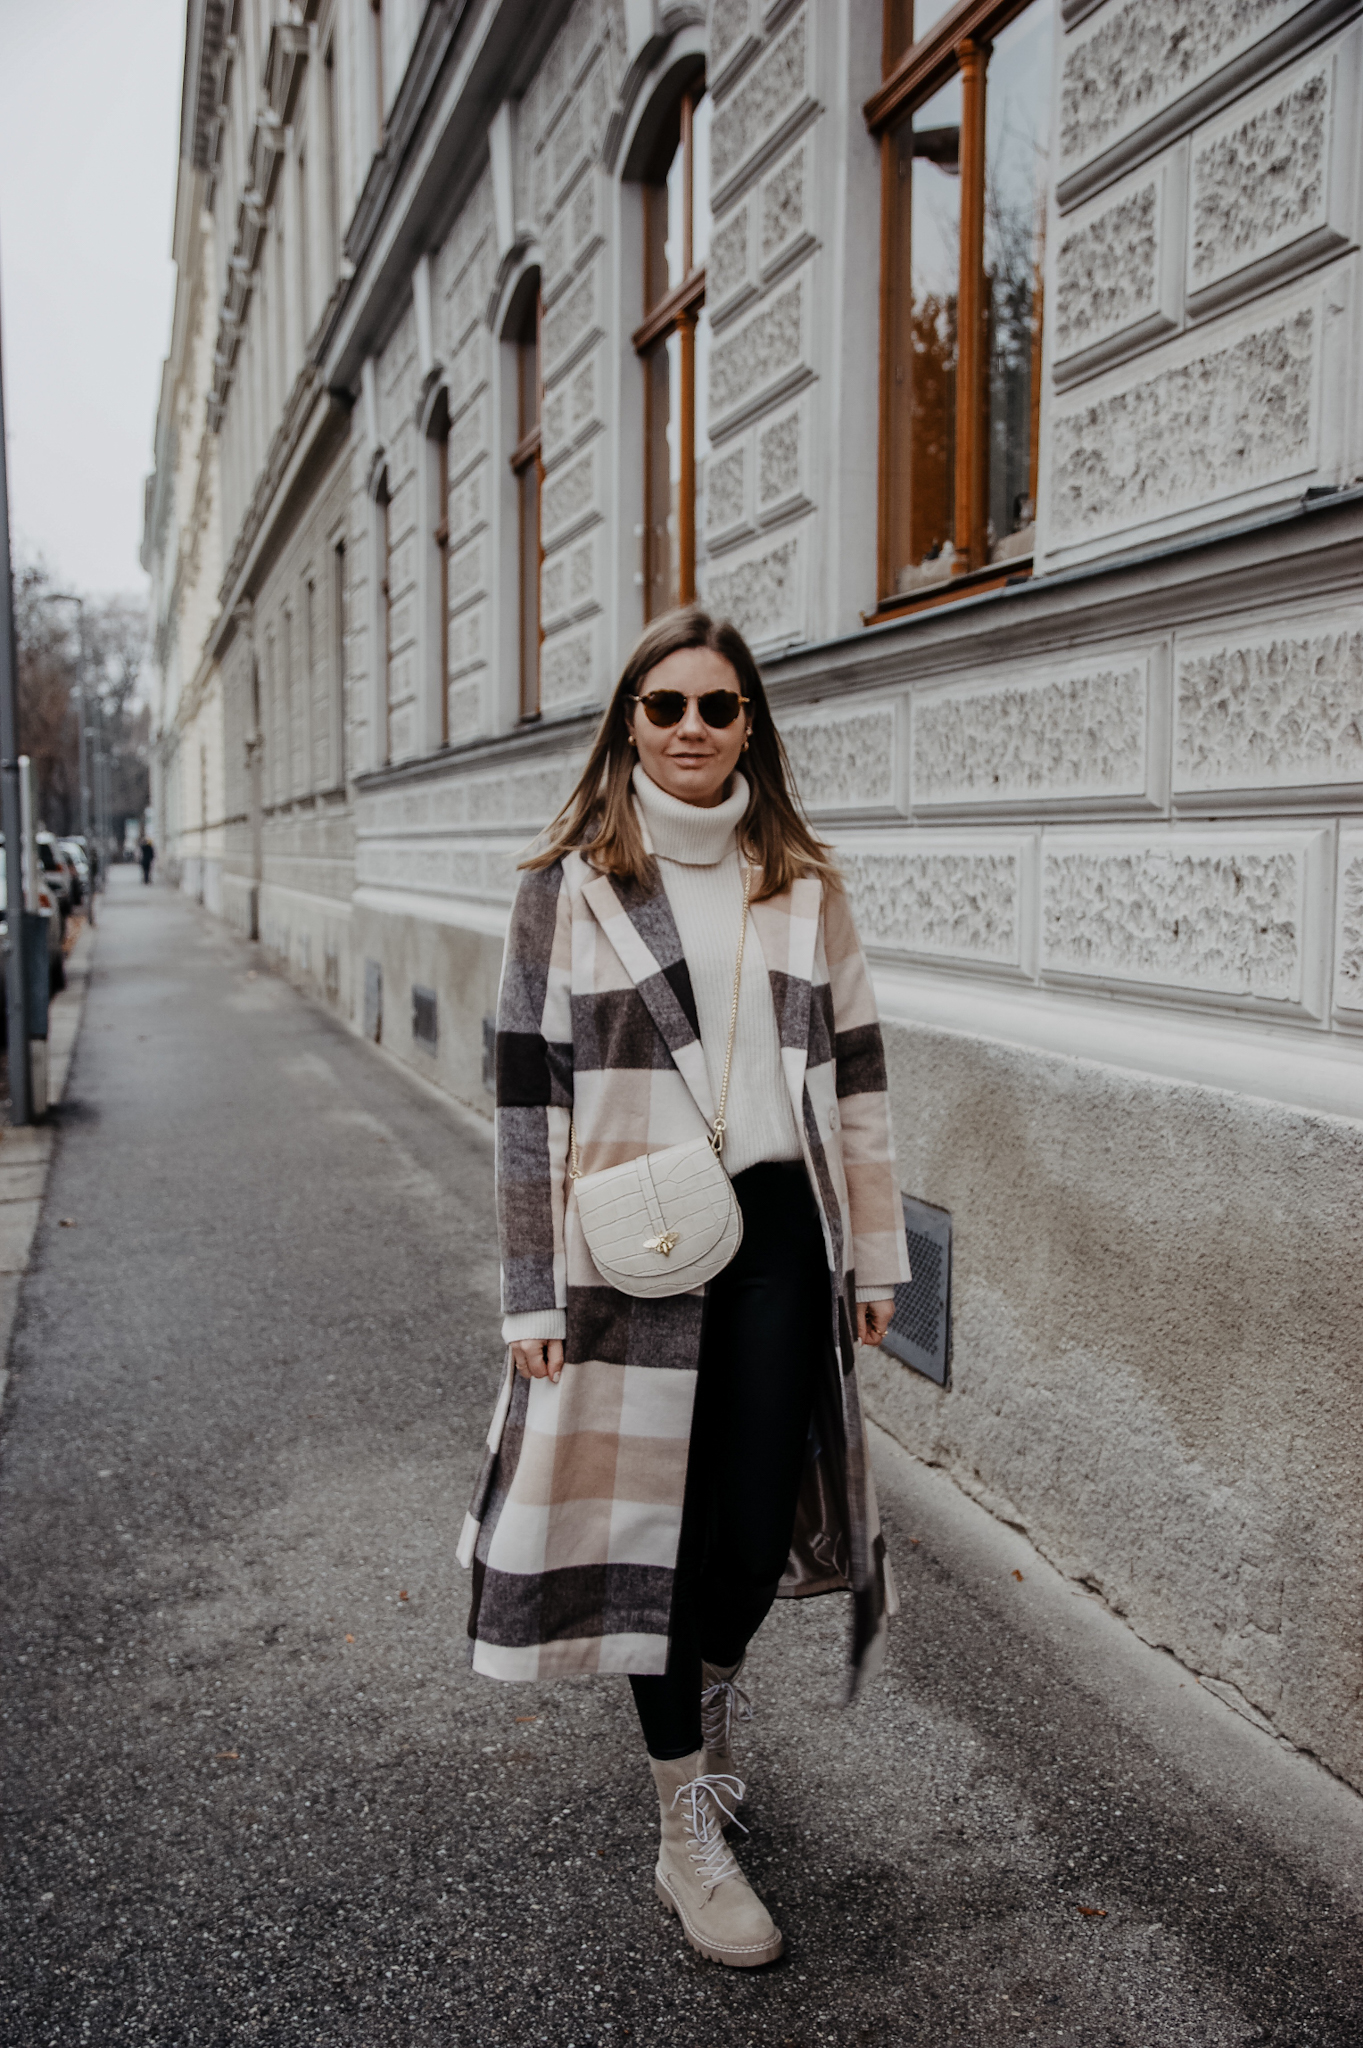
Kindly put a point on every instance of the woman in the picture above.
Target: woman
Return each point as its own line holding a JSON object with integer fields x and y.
{"x": 658, "y": 1469}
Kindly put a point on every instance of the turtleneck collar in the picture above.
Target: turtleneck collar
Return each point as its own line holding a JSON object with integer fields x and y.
{"x": 684, "y": 832}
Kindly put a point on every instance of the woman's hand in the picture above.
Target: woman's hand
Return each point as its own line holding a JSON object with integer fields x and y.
{"x": 538, "y": 1358}
{"x": 873, "y": 1320}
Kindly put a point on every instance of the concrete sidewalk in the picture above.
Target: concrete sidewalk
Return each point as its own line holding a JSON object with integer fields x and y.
{"x": 254, "y": 1794}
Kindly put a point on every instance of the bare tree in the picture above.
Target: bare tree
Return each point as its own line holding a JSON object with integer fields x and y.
{"x": 49, "y": 644}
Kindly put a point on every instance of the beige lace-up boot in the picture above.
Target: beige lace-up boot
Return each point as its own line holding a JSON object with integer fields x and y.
{"x": 723, "y": 1701}
{"x": 697, "y": 1877}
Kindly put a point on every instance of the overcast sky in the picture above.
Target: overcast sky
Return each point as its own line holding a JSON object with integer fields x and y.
{"x": 89, "y": 141}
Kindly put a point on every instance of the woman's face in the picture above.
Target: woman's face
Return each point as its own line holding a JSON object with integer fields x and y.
{"x": 692, "y": 760}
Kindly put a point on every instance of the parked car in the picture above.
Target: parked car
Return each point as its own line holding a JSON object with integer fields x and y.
{"x": 58, "y": 872}
{"x": 56, "y": 962}
{"x": 75, "y": 854}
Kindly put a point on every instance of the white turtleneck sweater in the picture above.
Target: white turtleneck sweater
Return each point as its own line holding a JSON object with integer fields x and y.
{"x": 698, "y": 860}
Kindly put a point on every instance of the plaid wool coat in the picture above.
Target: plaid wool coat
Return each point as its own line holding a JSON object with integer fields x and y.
{"x": 572, "y": 1532}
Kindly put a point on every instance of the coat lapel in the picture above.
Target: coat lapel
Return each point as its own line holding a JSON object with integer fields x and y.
{"x": 643, "y": 932}
{"x": 787, "y": 928}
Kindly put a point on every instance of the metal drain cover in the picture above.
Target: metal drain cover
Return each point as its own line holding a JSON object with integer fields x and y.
{"x": 920, "y": 1329}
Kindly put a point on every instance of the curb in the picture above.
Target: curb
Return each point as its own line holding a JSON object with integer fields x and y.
{"x": 26, "y": 1149}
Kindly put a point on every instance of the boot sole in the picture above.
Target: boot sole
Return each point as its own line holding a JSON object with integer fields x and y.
{"x": 736, "y": 1958}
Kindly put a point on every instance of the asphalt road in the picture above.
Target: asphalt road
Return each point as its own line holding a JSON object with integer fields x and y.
{"x": 252, "y": 1792}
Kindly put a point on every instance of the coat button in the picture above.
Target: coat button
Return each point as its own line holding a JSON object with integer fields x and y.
{"x": 832, "y": 1119}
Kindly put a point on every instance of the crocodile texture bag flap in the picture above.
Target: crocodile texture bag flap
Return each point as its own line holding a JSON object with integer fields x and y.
{"x": 663, "y": 1223}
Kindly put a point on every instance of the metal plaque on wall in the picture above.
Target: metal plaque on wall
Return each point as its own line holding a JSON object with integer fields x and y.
{"x": 920, "y": 1329}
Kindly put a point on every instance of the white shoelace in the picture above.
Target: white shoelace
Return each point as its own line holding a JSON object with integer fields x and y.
{"x": 709, "y": 1804}
{"x": 721, "y": 1704}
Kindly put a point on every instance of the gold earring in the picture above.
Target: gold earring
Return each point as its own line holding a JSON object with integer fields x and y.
{"x": 745, "y": 746}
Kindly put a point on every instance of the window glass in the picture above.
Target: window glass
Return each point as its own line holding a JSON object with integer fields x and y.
{"x": 933, "y": 141}
{"x": 675, "y": 361}
{"x": 1017, "y": 128}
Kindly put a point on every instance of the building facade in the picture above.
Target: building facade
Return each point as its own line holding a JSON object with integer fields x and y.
{"x": 182, "y": 553}
{"x": 995, "y": 367}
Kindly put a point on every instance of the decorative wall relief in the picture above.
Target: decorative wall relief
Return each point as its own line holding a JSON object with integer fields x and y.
{"x": 1260, "y": 184}
{"x": 772, "y": 93}
{"x": 1044, "y": 738}
{"x": 1140, "y": 58}
{"x": 726, "y": 492}
{"x": 844, "y": 760}
{"x": 1162, "y": 442}
{"x": 940, "y": 899}
{"x": 1198, "y": 912}
{"x": 760, "y": 593}
{"x": 728, "y": 266}
{"x": 1349, "y": 937}
{"x": 1276, "y": 708}
{"x": 569, "y": 496}
{"x": 1118, "y": 271}
{"x": 784, "y": 203}
{"x": 730, "y": 24}
{"x": 758, "y": 356}
{"x": 572, "y": 324}
{"x": 568, "y": 671}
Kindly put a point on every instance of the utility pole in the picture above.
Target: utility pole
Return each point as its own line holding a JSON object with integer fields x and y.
{"x": 16, "y": 981}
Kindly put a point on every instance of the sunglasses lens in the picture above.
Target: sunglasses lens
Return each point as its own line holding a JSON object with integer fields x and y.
{"x": 719, "y": 708}
{"x": 664, "y": 707}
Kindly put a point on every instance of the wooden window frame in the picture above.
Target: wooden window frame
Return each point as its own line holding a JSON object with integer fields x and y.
{"x": 957, "y": 45}
{"x": 677, "y": 312}
{"x": 527, "y": 462}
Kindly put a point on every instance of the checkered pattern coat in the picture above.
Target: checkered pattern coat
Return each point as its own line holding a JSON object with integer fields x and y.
{"x": 573, "y": 1528}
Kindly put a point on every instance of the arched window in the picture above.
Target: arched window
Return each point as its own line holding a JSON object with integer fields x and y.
{"x": 527, "y": 466}
{"x": 437, "y": 450}
{"x": 672, "y": 343}
{"x": 383, "y": 625}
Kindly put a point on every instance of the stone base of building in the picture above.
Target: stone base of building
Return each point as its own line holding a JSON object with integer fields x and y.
{"x": 202, "y": 879}
{"x": 404, "y": 953}
{"x": 1157, "y": 1301}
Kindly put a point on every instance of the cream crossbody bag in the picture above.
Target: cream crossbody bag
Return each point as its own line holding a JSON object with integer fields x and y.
{"x": 668, "y": 1221}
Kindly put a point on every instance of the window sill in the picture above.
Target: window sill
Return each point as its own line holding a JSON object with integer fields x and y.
{"x": 974, "y": 583}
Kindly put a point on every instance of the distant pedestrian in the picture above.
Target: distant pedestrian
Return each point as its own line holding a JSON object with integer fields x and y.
{"x": 146, "y": 853}
{"x": 667, "y": 1455}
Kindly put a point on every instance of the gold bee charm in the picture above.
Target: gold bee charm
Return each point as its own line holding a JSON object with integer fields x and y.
{"x": 661, "y": 1244}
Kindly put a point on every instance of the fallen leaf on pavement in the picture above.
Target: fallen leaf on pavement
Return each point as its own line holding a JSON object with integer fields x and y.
{"x": 527, "y": 1717}
{"x": 350, "y": 1639}
{"x": 402, "y": 1596}
{"x": 67, "y": 1222}
{"x": 227, "y": 1756}
{"x": 1018, "y": 1577}
{"x": 1094, "y": 1912}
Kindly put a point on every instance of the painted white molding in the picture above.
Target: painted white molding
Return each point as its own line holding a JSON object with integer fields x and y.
{"x": 421, "y": 309}
{"x": 1296, "y": 1067}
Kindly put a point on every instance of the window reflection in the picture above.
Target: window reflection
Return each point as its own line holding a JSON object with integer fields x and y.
{"x": 1017, "y": 127}
{"x": 933, "y": 143}
{"x": 673, "y": 343}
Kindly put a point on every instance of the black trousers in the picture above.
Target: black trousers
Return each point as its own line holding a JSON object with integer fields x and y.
{"x": 764, "y": 1335}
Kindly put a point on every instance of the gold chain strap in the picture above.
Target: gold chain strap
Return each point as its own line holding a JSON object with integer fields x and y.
{"x": 719, "y": 1126}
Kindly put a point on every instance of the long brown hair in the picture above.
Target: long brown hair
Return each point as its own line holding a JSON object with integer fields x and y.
{"x": 599, "y": 818}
